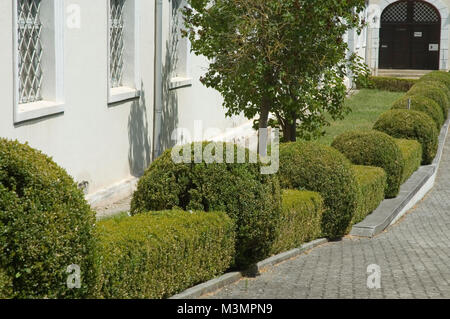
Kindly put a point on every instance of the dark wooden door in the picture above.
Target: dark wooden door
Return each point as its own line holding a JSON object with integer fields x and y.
{"x": 410, "y": 36}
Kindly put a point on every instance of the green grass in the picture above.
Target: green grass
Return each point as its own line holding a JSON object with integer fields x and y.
{"x": 367, "y": 106}
{"x": 118, "y": 216}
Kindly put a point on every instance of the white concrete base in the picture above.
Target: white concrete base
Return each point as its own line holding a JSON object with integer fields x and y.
{"x": 113, "y": 194}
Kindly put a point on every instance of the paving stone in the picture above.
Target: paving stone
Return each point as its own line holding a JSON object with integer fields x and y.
{"x": 414, "y": 256}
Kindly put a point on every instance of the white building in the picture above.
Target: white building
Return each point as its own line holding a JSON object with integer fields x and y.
{"x": 407, "y": 34}
{"x": 100, "y": 85}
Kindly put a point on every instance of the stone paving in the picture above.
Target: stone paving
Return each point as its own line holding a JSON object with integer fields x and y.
{"x": 413, "y": 255}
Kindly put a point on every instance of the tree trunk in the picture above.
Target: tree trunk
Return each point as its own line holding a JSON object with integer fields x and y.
{"x": 263, "y": 135}
{"x": 290, "y": 131}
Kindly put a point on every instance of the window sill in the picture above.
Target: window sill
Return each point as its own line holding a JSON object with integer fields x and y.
{"x": 179, "y": 82}
{"x": 35, "y": 110}
{"x": 122, "y": 93}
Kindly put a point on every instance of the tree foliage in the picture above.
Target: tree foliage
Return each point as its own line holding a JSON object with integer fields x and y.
{"x": 285, "y": 57}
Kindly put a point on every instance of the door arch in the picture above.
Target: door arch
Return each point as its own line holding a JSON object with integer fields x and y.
{"x": 410, "y": 36}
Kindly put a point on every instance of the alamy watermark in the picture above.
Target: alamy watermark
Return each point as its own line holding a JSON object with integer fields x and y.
{"x": 74, "y": 277}
{"x": 374, "y": 276}
{"x": 224, "y": 151}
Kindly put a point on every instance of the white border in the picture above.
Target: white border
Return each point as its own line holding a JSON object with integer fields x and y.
{"x": 29, "y": 111}
{"x": 124, "y": 93}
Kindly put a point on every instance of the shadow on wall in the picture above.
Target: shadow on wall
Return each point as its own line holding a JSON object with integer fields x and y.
{"x": 139, "y": 154}
{"x": 139, "y": 132}
{"x": 170, "y": 110}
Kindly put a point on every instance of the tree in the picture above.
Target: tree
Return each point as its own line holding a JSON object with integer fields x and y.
{"x": 285, "y": 57}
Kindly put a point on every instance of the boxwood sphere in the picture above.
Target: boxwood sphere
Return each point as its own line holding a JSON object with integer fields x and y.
{"x": 251, "y": 199}
{"x": 443, "y": 77}
{"x": 45, "y": 225}
{"x": 422, "y": 104}
{"x": 412, "y": 125}
{"x": 320, "y": 168}
{"x": 433, "y": 91}
{"x": 373, "y": 148}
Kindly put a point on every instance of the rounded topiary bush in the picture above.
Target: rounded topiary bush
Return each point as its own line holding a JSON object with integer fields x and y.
{"x": 251, "y": 199}
{"x": 45, "y": 225}
{"x": 373, "y": 148}
{"x": 422, "y": 104}
{"x": 411, "y": 125}
{"x": 322, "y": 169}
{"x": 434, "y": 91}
{"x": 443, "y": 77}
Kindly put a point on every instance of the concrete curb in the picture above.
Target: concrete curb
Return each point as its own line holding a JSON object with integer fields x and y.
{"x": 413, "y": 191}
{"x": 230, "y": 278}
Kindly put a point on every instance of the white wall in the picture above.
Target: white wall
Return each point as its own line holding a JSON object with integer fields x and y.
{"x": 96, "y": 142}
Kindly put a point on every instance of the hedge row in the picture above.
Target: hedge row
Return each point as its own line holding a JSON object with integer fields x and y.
{"x": 251, "y": 199}
{"x": 412, "y": 125}
{"x": 45, "y": 225}
{"x": 435, "y": 91}
{"x": 386, "y": 83}
{"x": 372, "y": 182}
{"x": 412, "y": 156}
{"x": 323, "y": 169}
{"x": 372, "y": 148}
{"x": 6, "y": 288}
{"x": 156, "y": 255}
{"x": 300, "y": 221}
{"x": 422, "y": 104}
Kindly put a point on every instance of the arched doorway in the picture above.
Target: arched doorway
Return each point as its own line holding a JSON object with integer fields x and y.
{"x": 410, "y": 36}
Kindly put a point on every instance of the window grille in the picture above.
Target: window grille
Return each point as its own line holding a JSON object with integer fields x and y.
{"x": 424, "y": 13}
{"x": 397, "y": 12}
{"x": 116, "y": 42}
{"x": 29, "y": 50}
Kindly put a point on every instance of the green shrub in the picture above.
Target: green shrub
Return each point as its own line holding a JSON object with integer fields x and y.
{"x": 6, "y": 290}
{"x": 443, "y": 77}
{"x": 386, "y": 84}
{"x": 156, "y": 255}
{"x": 251, "y": 199}
{"x": 372, "y": 182}
{"x": 320, "y": 168}
{"x": 412, "y": 156}
{"x": 411, "y": 125}
{"x": 373, "y": 148}
{"x": 433, "y": 91}
{"x": 45, "y": 225}
{"x": 300, "y": 221}
{"x": 422, "y": 104}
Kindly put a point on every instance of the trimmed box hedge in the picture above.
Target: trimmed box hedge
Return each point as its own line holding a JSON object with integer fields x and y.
{"x": 440, "y": 76}
{"x": 373, "y": 148}
{"x": 422, "y": 104}
{"x": 158, "y": 254}
{"x": 6, "y": 289}
{"x": 412, "y": 156}
{"x": 434, "y": 91}
{"x": 411, "y": 125}
{"x": 323, "y": 169}
{"x": 45, "y": 225}
{"x": 372, "y": 182}
{"x": 300, "y": 221}
{"x": 251, "y": 199}
{"x": 391, "y": 84}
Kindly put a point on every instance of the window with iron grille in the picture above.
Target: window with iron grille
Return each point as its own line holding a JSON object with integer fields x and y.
{"x": 29, "y": 50}
{"x": 116, "y": 42}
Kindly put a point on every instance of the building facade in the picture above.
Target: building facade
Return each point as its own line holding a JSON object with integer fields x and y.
{"x": 407, "y": 34}
{"x": 101, "y": 85}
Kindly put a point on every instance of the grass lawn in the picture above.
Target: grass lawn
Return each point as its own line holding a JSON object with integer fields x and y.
{"x": 367, "y": 106}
